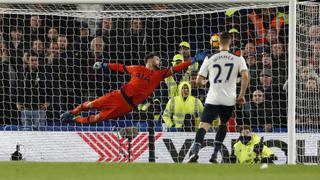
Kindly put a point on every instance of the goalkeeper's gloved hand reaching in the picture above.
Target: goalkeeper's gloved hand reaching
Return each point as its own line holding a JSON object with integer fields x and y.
{"x": 199, "y": 57}
{"x": 99, "y": 65}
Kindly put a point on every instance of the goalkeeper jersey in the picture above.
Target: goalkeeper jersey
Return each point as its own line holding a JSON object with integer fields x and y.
{"x": 143, "y": 81}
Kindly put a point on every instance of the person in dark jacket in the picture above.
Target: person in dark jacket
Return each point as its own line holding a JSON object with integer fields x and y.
{"x": 32, "y": 96}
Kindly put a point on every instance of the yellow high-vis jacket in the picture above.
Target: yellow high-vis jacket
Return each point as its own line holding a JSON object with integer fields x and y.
{"x": 177, "y": 108}
{"x": 171, "y": 81}
{"x": 246, "y": 155}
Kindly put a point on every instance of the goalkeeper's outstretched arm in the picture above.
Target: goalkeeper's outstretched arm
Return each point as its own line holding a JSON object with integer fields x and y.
{"x": 199, "y": 57}
{"x": 112, "y": 66}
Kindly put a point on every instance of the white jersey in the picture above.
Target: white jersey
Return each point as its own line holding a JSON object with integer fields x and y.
{"x": 223, "y": 69}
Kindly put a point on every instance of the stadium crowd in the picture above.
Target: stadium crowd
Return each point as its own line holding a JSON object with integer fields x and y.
{"x": 46, "y": 65}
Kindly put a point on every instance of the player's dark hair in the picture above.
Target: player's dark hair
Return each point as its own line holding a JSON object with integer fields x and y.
{"x": 149, "y": 56}
{"x": 225, "y": 38}
{"x": 245, "y": 127}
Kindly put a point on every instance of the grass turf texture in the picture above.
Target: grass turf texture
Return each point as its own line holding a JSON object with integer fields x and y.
{"x": 137, "y": 171}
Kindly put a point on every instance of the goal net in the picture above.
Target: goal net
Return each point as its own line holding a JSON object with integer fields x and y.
{"x": 307, "y": 86}
{"x": 47, "y": 52}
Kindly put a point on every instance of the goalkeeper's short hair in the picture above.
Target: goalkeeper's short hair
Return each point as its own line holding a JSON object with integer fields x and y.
{"x": 149, "y": 56}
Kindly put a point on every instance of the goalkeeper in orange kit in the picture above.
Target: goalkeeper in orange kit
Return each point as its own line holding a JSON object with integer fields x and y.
{"x": 144, "y": 79}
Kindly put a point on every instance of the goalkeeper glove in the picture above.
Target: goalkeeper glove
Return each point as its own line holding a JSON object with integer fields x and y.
{"x": 199, "y": 57}
{"x": 99, "y": 65}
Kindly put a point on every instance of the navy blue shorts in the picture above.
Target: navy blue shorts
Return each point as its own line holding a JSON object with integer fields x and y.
{"x": 212, "y": 112}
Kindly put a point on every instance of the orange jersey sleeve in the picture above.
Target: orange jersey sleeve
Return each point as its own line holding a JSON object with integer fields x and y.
{"x": 122, "y": 68}
{"x": 171, "y": 70}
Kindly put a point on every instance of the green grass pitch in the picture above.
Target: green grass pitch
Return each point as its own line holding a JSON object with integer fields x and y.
{"x": 144, "y": 171}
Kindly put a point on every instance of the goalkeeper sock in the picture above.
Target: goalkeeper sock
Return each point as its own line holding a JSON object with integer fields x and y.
{"x": 85, "y": 120}
{"x": 80, "y": 108}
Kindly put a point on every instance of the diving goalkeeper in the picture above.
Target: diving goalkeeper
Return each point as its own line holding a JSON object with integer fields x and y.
{"x": 144, "y": 79}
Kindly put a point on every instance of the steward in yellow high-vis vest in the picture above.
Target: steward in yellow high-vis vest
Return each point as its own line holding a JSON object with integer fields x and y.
{"x": 183, "y": 110}
{"x": 184, "y": 54}
{"x": 250, "y": 148}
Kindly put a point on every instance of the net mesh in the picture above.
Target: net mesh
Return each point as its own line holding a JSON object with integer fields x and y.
{"x": 47, "y": 53}
{"x": 308, "y": 67}
{"x": 307, "y": 87}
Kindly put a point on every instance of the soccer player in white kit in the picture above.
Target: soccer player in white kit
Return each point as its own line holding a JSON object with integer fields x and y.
{"x": 223, "y": 69}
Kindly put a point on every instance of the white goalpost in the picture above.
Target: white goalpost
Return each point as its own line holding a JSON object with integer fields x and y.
{"x": 69, "y": 35}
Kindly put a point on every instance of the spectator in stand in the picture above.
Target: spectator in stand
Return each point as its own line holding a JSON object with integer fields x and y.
{"x": 315, "y": 57}
{"x": 307, "y": 72}
{"x": 111, "y": 37}
{"x": 266, "y": 18}
{"x": 308, "y": 106}
{"x": 236, "y": 42}
{"x": 97, "y": 49}
{"x": 16, "y": 47}
{"x": 272, "y": 36}
{"x": 258, "y": 112}
{"x": 266, "y": 85}
{"x": 62, "y": 43}
{"x": 268, "y": 64}
{"x": 303, "y": 74}
{"x": 310, "y": 14}
{"x": 279, "y": 63}
{"x": 71, "y": 68}
{"x": 249, "y": 49}
{"x": 32, "y": 95}
{"x": 101, "y": 84}
{"x": 135, "y": 42}
{"x": 185, "y": 51}
{"x": 55, "y": 68}
{"x": 52, "y": 35}
{"x": 7, "y": 79}
{"x": 254, "y": 69}
{"x": 2, "y": 34}
{"x": 82, "y": 41}
{"x": 184, "y": 110}
{"x": 266, "y": 61}
{"x": 273, "y": 93}
{"x": 38, "y": 48}
{"x": 34, "y": 30}
{"x": 52, "y": 53}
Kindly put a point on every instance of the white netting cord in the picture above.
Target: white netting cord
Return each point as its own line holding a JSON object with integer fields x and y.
{"x": 129, "y": 10}
{"x": 308, "y": 94}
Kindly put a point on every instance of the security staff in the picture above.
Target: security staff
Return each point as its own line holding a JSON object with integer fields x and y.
{"x": 250, "y": 148}
{"x": 183, "y": 110}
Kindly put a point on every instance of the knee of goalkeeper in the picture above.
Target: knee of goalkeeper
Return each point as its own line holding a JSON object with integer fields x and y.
{"x": 250, "y": 148}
